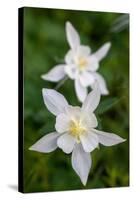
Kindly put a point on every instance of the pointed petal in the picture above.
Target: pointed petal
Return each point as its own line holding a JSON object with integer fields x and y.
{"x": 80, "y": 91}
{"x": 108, "y": 139}
{"x": 72, "y": 36}
{"x": 92, "y": 100}
{"x": 54, "y": 101}
{"x": 81, "y": 163}
{"x": 55, "y": 74}
{"x": 86, "y": 79}
{"x": 102, "y": 52}
{"x": 89, "y": 141}
{"x": 46, "y": 144}
{"x": 62, "y": 123}
{"x": 101, "y": 84}
{"x": 66, "y": 143}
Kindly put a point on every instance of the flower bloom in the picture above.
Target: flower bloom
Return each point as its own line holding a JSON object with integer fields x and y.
{"x": 80, "y": 65}
{"x": 75, "y": 130}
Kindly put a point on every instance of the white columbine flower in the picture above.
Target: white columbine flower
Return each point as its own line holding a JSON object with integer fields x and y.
{"x": 80, "y": 65}
{"x": 75, "y": 130}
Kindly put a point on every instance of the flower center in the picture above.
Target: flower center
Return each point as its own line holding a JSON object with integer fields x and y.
{"x": 82, "y": 62}
{"x": 76, "y": 129}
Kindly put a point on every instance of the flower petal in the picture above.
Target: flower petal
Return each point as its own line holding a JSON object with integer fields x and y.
{"x": 101, "y": 83}
{"x": 93, "y": 64}
{"x": 80, "y": 91}
{"x": 81, "y": 163}
{"x": 71, "y": 71}
{"x": 89, "y": 141}
{"x": 62, "y": 123}
{"x": 54, "y": 101}
{"x": 69, "y": 57}
{"x": 83, "y": 50}
{"x": 108, "y": 139}
{"x": 86, "y": 79}
{"x": 46, "y": 144}
{"x": 72, "y": 36}
{"x": 89, "y": 119}
{"x": 55, "y": 74}
{"x": 73, "y": 112}
{"x": 102, "y": 52}
{"x": 92, "y": 100}
{"x": 66, "y": 143}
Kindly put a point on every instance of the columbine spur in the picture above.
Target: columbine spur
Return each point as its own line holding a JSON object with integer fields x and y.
{"x": 80, "y": 65}
{"x": 75, "y": 130}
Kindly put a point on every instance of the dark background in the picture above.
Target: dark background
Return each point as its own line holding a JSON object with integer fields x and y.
{"x": 45, "y": 46}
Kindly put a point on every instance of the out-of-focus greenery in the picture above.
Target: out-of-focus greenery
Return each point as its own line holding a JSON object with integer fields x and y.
{"x": 45, "y": 46}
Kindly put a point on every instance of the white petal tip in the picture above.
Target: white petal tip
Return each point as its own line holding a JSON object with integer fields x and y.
{"x": 105, "y": 93}
{"x": 45, "y": 91}
{"x": 123, "y": 140}
{"x": 84, "y": 182}
{"x": 46, "y": 78}
{"x": 68, "y": 23}
{"x": 43, "y": 77}
{"x": 109, "y": 44}
{"x": 102, "y": 52}
{"x": 109, "y": 139}
{"x": 32, "y": 148}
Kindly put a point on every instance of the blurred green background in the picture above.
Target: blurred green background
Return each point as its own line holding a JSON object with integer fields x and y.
{"x": 45, "y": 46}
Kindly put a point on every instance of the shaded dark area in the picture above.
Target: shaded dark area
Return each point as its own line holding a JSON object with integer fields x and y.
{"x": 45, "y": 46}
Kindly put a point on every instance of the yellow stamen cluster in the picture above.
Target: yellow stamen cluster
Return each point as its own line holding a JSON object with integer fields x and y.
{"x": 82, "y": 62}
{"x": 76, "y": 129}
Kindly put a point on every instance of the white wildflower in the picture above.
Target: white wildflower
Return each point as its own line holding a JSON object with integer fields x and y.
{"x": 75, "y": 130}
{"x": 80, "y": 65}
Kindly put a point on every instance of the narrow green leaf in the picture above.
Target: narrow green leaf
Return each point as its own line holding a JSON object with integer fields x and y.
{"x": 107, "y": 104}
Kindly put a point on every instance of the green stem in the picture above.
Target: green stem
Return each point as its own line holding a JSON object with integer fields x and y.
{"x": 61, "y": 83}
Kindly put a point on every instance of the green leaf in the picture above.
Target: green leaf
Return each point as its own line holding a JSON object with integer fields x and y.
{"x": 107, "y": 104}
